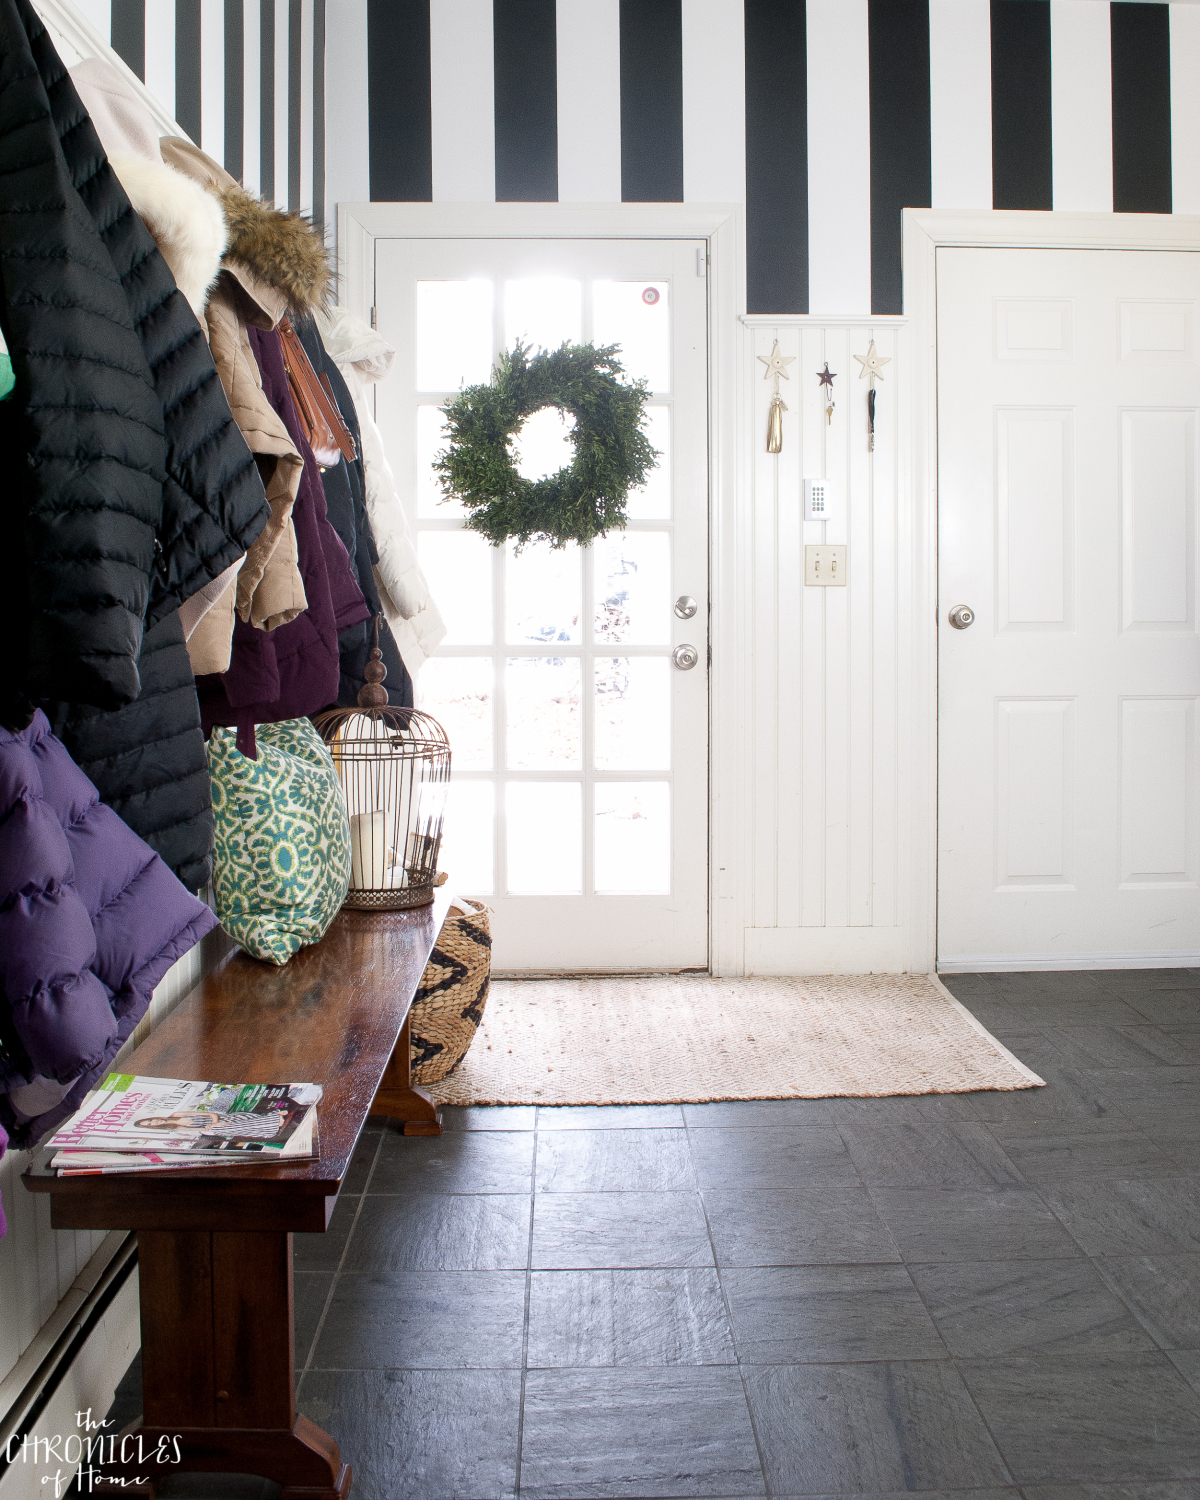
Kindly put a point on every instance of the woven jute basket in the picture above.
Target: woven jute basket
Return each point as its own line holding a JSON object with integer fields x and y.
{"x": 452, "y": 994}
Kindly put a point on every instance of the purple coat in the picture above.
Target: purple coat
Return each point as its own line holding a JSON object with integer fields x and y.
{"x": 90, "y": 920}
{"x": 293, "y": 670}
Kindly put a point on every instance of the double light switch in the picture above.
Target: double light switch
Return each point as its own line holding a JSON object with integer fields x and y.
{"x": 825, "y": 567}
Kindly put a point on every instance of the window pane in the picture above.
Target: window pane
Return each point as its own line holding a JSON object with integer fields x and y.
{"x": 543, "y": 713}
{"x": 468, "y": 835}
{"x": 636, "y": 315}
{"x": 458, "y": 567}
{"x": 457, "y": 691}
{"x": 544, "y": 311}
{"x": 545, "y": 838}
{"x": 454, "y": 334}
{"x": 633, "y": 588}
{"x": 633, "y": 713}
{"x": 633, "y": 837}
{"x": 543, "y": 445}
{"x": 544, "y": 593}
{"x": 431, "y": 440}
{"x": 653, "y": 501}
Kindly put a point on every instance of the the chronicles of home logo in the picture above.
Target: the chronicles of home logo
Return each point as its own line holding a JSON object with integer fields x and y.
{"x": 84, "y": 1455}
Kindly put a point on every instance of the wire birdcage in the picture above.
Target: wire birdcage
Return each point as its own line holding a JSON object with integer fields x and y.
{"x": 394, "y": 766}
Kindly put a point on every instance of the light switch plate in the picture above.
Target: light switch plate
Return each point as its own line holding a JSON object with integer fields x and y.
{"x": 825, "y": 567}
{"x": 820, "y": 499}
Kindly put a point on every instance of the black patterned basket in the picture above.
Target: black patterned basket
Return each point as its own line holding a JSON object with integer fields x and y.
{"x": 452, "y": 994}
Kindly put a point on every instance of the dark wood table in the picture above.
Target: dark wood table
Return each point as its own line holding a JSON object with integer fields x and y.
{"x": 215, "y": 1244}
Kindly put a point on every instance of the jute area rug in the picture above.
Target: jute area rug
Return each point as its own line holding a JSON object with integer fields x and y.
{"x": 690, "y": 1038}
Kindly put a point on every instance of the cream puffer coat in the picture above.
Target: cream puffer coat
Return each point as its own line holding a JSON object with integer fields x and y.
{"x": 364, "y": 357}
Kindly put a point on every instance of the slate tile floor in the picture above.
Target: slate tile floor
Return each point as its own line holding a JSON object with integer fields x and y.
{"x": 984, "y": 1296}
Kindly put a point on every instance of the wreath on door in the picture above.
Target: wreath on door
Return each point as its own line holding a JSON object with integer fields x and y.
{"x": 587, "y": 497}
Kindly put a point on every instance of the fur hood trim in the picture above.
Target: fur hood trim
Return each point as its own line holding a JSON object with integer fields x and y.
{"x": 350, "y": 341}
{"x": 186, "y": 222}
{"x": 283, "y": 248}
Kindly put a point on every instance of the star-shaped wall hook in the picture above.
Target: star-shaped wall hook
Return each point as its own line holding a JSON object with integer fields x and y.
{"x": 872, "y": 363}
{"x": 826, "y": 376}
{"x": 776, "y": 363}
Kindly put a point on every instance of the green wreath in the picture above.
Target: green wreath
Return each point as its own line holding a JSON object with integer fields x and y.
{"x": 582, "y": 501}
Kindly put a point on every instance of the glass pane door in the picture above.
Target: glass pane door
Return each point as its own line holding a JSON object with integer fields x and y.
{"x": 578, "y": 804}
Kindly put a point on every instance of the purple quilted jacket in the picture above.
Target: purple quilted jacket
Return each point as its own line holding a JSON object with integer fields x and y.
{"x": 90, "y": 921}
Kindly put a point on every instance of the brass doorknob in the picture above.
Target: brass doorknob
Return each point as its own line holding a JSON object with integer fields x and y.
{"x": 961, "y": 617}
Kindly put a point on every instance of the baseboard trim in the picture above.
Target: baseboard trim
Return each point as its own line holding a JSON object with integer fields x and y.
{"x": 1005, "y": 963}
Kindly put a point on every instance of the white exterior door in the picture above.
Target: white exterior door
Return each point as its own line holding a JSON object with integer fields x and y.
{"x": 1068, "y": 394}
{"x": 579, "y": 798}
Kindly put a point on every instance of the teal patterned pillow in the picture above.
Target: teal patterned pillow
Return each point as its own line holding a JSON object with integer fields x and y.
{"x": 282, "y": 864}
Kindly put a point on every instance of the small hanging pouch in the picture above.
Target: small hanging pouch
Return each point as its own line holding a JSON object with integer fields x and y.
{"x": 281, "y": 868}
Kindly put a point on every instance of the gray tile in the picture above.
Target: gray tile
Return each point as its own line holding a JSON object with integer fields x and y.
{"x": 609, "y": 1117}
{"x": 458, "y": 1161}
{"x": 797, "y": 1226}
{"x": 1155, "y": 1096}
{"x": 1070, "y": 1094}
{"x": 1038, "y": 1009}
{"x": 781, "y": 1157}
{"x": 431, "y": 1320}
{"x": 421, "y": 1434}
{"x": 1184, "y": 1039}
{"x": 1066, "y": 1150}
{"x": 619, "y": 1231}
{"x": 1089, "y": 1417}
{"x": 613, "y": 1161}
{"x": 363, "y": 1159}
{"x": 950, "y": 1224}
{"x": 310, "y": 1289}
{"x": 921, "y": 1154}
{"x": 664, "y": 1317}
{"x": 323, "y": 1252}
{"x": 1166, "y": 1007}
{"x": 1158, "y": 1217}
{"x": 593, "y": 1433}
{"x": 1009, "y": 1492}
{"x": 1143, "y": 979}
{"x": 1181, "y": 1142}
{"x": 1166, "y": 1490}
{"x": 1187, "y": 1362}
{"x": 902, "y": 1108}
{"x": 999, "y": 1308}
{"x": 442, "y": 1232}
{"x": 822, "y": 1314}
{"x": 757, "y": 1114}
{"x": 489, "y": 1116}
{"x": 1164, "y": 1293}
{"x": 1141, "y": 1046}
{"x": 871, "y": 1428}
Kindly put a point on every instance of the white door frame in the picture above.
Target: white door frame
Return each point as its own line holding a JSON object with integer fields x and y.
{"x": 361, "y": 224}
{"x": 924, "y": 231}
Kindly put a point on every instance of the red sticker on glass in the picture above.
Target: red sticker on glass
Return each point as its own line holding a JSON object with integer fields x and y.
{"x": 651, "y": 295}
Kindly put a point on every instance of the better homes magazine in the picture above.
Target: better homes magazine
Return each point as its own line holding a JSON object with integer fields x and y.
{"x": 131, "y": 1113}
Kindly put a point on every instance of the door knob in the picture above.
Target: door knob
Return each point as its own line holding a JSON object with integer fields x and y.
{"x": 685, "y": 657}
{"x": 961, "y": 616}
{"x": 685, "y": 606}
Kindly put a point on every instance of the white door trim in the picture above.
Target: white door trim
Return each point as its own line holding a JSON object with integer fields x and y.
{"x": 925, "y": 230}
{"x": 360, "y": 224}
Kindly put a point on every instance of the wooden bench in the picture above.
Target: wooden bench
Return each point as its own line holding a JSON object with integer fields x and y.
{"x": 215, "y": 1244}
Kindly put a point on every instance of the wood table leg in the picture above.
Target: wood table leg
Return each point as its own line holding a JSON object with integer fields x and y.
{"x": 218, "y": 1356}
{"x": 399, "y": 1097}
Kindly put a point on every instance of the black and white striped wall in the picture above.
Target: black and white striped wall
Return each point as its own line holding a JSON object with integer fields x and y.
{"x": 825, "y": 117}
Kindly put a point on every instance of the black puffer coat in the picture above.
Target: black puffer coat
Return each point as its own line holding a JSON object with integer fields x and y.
{"x": 147, "y": 759}
{"x": 345, "y": 496}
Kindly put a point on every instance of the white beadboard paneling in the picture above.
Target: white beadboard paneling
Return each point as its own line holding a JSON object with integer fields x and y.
{"x": 1158, "y": 800}
{"x": 589, "y": 101}
{"x": 1158, "y": 520}
{"x": 789, "y": 575}
{"x": 160, "y": 54}
{"x": 714, "y": 102}
{"x": 347, "y": 108}
{"x": 212, "y": 78}
{"x": 252, "y": 95}
{"x": 1185, "y": 109}
{"x": 839, "y": 157}
{"x": 99, "y": 13}
{"x": 462, "y": 103}
{"x": 764, "y": 585}
{"x": 826, "y": 950}
{"x": 960, "y": 103}
{"x": 1035, "y": 758}
{"x": 1081, "y": 105}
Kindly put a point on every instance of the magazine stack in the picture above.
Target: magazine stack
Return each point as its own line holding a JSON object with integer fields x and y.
{"x": 134, "y": 1124}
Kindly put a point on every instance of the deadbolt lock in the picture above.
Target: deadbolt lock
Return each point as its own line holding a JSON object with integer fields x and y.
{"x": 961, "y": 616}
{"x": 685, "y": 657}
{"x": 685, "y": 606}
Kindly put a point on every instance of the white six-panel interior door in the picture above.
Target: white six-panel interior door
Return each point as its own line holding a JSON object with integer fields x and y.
{"x": 579, "y": 796}
{"x": 1068, "y": 393}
